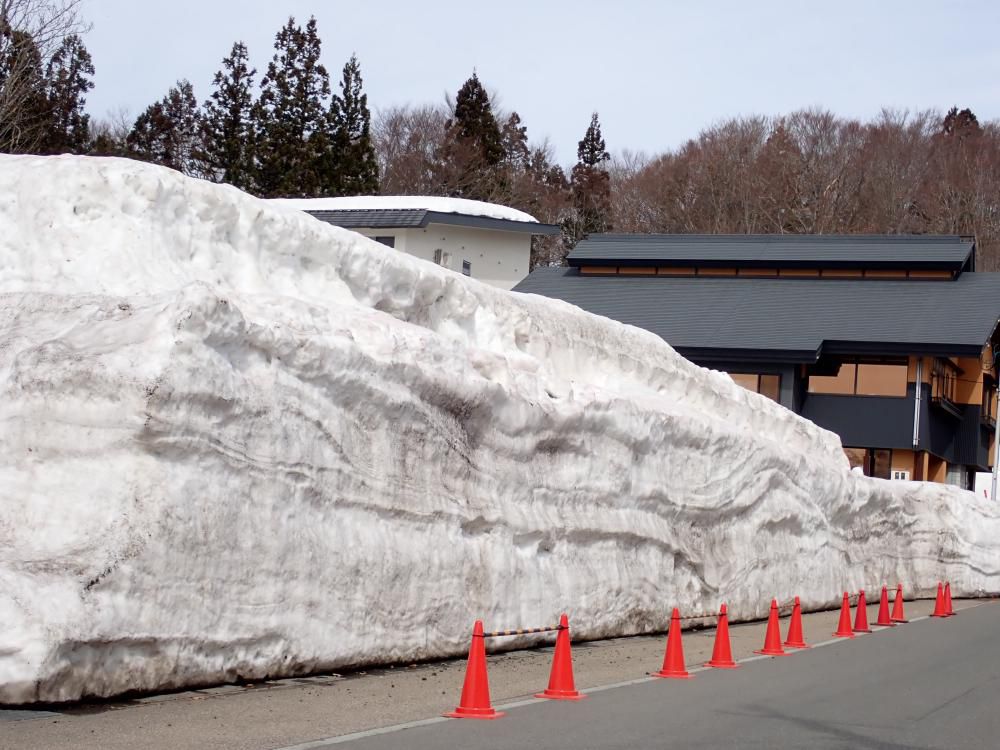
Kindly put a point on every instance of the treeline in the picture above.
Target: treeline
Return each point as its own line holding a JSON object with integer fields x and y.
{"x": 815, "y": 173}
{"x": 286, "y": 134}
{"x": 290, "y": 133}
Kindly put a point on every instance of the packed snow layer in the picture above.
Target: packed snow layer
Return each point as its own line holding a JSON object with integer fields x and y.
{"x": 239, "y": 442}
{"x": 397, "y": 202}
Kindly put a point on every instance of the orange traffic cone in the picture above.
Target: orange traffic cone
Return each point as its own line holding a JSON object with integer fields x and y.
{"x": 794, "y": 639}
{"x": 772, "y": 637}
{"x": 561, "y": 686}
{"x": 475, "y": 703}
{"x": 673, "y": 659}
{"x": 897, "y": 605}
{"x": 939, "y": 608}
{"x": 722, "y": 656}
{"x": 844, "y": 628}
{"x": 861, "y": 615}
{"x": 883, "y": 611}
{"x": 947, "y": 600}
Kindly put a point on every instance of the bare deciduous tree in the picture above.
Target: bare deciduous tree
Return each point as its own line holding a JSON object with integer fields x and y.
{"x": 812, "y": 172}
{"x": 30, "y": 31}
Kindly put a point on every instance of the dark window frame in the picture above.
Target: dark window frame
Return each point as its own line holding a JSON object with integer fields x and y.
{"x": 389, "y": 240}
{"x": 944, "y": 384}
{"x": 870, "y": 461}
{"x": 466, "y": 268}
{"x": 988, "y": 413}
{"x": 857, "y": 363}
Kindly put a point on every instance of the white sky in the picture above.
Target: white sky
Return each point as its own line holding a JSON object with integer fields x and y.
{"x": 657, "y": 72}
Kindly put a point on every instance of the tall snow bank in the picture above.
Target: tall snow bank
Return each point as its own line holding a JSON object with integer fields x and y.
{"x": 239, "y": 442}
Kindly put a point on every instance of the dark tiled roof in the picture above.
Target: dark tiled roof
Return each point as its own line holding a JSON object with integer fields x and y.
{"x": 403, "y": 218}
{"x": 388, "y": 218}
{"x": 912, "y": 251}
{"x": 788, "y": 319}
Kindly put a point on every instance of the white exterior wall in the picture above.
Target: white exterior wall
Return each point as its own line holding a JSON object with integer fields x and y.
{"x": 497, "y": 258}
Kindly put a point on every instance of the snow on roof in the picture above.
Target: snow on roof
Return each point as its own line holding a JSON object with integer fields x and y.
{"x": 402, "y": 202}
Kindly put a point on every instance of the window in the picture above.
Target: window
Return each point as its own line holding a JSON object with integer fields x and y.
{"x": 902, "y": 476}
{"x": 957, "y": 476}
{"x": 862, "y": 379}
{"x": 387, "y": 240}
{"x": 989, "y": 411}
{"x": 442, "y": 258}
{"x": 840, "y": 384}
{"x": 881, "y": 380}
{"x": 765, "y": 385}
{"x": 944, "y": 379}
{"x": 874, "y": 462}
{"x": 466, "y": 268}
{"x": 769, "y": 386}
{"x": 880, "y": 463}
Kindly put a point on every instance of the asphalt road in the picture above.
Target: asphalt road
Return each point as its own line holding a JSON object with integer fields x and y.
{"x": 928, "y": 684}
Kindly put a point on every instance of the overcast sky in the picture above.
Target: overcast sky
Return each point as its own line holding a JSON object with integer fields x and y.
{"x": 657, "y": 72}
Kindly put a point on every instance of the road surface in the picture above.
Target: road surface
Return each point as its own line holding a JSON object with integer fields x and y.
{"x": 928, "y": 684}
{"x": 300, "y": 712}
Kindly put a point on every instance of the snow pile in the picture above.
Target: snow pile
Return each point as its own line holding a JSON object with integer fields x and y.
{"x": 403, "y": 202}
{"x": 239, "y": 442}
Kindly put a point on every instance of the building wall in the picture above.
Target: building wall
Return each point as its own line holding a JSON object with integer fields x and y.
{"x": 948, "y": 437}
{"x": 864, "y": 421}
{"x": 498, "y": 258}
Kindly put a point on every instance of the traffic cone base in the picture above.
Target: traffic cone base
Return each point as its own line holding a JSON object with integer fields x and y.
{"x": 673, "y": 676}
{"x": 713, "y": 665}
{"x": 474, "y": 713}
{"x": 561, "y": 686}
{"x": 897, "y": 606}
{"x": 561, "y": 695}
{"x": 844, "y": 629}
{"x": 883, "y": 620}
{"x": 475, "y": 702}
{"x": 795, "y": 639}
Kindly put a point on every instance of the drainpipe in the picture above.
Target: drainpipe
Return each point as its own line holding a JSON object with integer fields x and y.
{"x": 996, "y": 452}
{"x": 992, "y": 341}
{"x": 916, "y": 406}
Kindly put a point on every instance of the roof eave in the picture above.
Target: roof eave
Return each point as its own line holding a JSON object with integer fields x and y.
{"x": 488, "y": 222}
{"x": 921, "y": 265}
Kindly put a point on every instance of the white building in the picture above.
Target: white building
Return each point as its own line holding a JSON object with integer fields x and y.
{"x": 486, "y": 241}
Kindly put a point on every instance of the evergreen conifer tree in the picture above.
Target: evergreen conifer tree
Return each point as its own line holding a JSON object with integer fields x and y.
{"x": 354, "y": 166}
{"x": 169, "y": 131}
{"x": 292, "y": 124}
{"x": 473, "y": 149}
{"x": 227, "y": 123}
{"x": 476, "y": 124}
{"x": 591, "y": 185}
{"x": 23, "y": 105}
{"x": 68, "y": 79}
{"x": 514, "y": 139}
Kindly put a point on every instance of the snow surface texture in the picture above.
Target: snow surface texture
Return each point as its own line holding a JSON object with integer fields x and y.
{"x": 239, "y": 442}
{"x": 391, "y": 202}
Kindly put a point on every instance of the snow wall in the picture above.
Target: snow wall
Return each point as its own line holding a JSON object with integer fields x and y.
{"x": 236, "y": 442}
